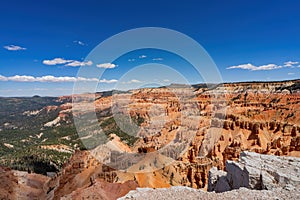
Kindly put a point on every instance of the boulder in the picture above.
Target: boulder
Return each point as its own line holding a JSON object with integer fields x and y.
{"x": 256, "y": 171}
{"x": 218, "y": 181}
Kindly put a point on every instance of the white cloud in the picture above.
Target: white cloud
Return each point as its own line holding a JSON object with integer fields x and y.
{"x": 23, "y": 78}
{"x": 56, "y": 61}
{"x": 166, "y": 80}
{"x": 131, "y": 60}
{"x": 107, "y": 65}
{"x": 14, "y": 48}
{"x": 49, "y": 78}
{"x": 68, "y": 63}
{"x": 132, "y": 81}
{"x": 135, "y": 81}
{"x": 157, "y": 59}
{"x": 251, "y": 67}
{"x": 79, "y": 42}
{"x": 3, "y": 78}
{"x": 108, "y": 81}
{"x": 142, "y": 56}
{"x": 290, "y": 64}
{"x": 255, "y": 68}
{"x": 87, "y": 79}
{"x": 76, "y": 63}
{"x": 290, "y": 73}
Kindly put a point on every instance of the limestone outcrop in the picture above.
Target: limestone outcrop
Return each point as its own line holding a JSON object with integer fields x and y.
{"x": 256, "y": 171}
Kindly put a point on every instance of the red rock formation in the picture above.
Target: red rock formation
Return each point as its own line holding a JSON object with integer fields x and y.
{"x": 218, "y": 125}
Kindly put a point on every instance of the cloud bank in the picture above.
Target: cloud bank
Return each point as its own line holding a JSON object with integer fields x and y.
{"x": 252, "y": 67}
{"x": 50, "y": 78}
{"x": 256, "y": 68}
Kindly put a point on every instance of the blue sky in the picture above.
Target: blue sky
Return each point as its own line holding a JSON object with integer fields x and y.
{"x": 44, "y": 43}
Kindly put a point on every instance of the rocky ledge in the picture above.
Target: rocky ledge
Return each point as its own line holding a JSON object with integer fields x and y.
{"x": 182, "y": 193}
{"x": 256, "y": 171}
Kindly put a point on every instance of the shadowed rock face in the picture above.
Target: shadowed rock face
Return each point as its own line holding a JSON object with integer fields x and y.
{"x": 8, "y": 184}
{"x": 22, "y": 185}
{"x": 256, "y": 171}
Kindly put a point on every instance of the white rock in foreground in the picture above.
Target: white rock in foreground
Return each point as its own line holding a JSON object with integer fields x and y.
{"x": 256, "y": 171}
{"x": 186, "y": 193}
